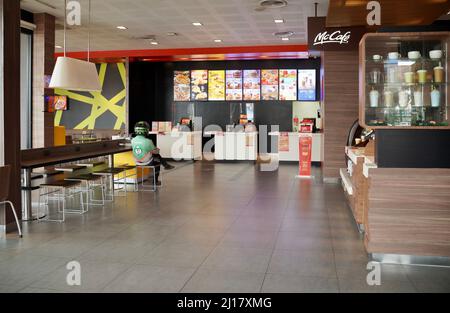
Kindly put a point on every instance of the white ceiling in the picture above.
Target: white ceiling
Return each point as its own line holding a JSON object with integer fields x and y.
{"x": 236, "y": 22}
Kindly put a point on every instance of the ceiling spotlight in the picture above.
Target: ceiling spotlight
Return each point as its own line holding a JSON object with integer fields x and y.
{"x": 285, "y": 38}
{"x": 284, "y": 34}
{"x": 121, "y": 27}
{"x": 58, "y": 47}
{"x": 217, "y": 40}
{"x": 197, "y": 24}
{"x": 155, "y": 43}
{"x": 273, "y": 4}
{"x": 279, "y": 21}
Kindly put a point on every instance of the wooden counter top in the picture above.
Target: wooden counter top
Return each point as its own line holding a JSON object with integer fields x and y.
{"x": 34, "y": 158}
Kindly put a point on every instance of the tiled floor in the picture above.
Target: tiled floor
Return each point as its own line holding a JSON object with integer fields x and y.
{"x": 211, "y": 228}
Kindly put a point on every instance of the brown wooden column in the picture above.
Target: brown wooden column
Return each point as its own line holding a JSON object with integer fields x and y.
{"x": 43, "y": 63}
{"x": 10, "y": 103}
{"x": 341, "y": 106}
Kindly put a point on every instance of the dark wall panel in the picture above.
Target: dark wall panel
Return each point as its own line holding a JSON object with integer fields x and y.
{"x": 413, "y": 148}
{"x": 151, "y": 93}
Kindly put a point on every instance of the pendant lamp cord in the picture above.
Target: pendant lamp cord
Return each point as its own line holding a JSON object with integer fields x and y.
{"x": 65, "y": 25}
{"x": 89, "y": 32}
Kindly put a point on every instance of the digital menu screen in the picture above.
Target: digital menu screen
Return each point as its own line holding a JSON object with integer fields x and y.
{"x": 199, "y": 85}
{"x": 269, "y": 84}
{"x": 288, "y": 85}
{"x": 234, "y": 85}
{"x": 216, "y": 86}
{"x": 307, "y": 85}
{"x": 181, "y": 86}
{"x": 252, "y": 85}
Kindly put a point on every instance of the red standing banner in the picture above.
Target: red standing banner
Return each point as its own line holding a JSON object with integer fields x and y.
{"x": 305, "y": 150}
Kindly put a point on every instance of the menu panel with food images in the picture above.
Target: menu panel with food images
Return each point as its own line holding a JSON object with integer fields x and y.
{"x": 181, "y": 86}
{"x": 216, "y": 86}
{"x": 234, "y": 85}
{"x": 307, "y": 85}
{"x": 288, "y": 85}
{"x": 199, "y": 85}
{"x": 252, "y": 85}
{"x": 269, "y": 84}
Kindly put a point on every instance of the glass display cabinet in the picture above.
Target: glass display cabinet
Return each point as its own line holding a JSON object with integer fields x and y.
{"x": 404, "y": 80}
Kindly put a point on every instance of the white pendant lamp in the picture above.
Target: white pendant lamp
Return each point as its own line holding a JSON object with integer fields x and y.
{"x": 74, "y": 74}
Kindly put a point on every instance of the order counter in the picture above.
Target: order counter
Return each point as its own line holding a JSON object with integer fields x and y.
{"x": 289, "y": 150}
{"x": 235, "y": 146}
{"x": 179, "y": 145}
{"x": 405, "y": 212}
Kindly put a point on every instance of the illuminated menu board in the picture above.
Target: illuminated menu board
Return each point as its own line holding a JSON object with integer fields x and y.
{"x": 199, "y": 85}
{"x": 307, "y": 85}
{"x": 269, "y": 84}
{"x": 216, "y": 86}
{"x": 181, "y": 86}
{"x": 234, "y": 85}
{"x": 288, "y": 85}
{"x": 252, "y": 85}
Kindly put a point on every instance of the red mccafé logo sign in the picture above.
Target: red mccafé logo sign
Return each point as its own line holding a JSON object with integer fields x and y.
{"x": 324, "y": 38}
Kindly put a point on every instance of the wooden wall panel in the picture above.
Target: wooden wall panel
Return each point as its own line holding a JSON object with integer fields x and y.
{"x": 409, "y": 212}
{"x": 340, "y": 106}
{"x": 43, "y": 63}
{"x": 10, "y": 104}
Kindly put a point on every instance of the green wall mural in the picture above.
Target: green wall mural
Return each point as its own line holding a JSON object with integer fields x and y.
{"x": 97, "y": 110}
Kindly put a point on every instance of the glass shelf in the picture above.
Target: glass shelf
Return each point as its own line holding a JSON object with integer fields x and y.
{"x": 402, "y": 84}
{"x": 384, "y": 81}
{"x": 405, "y": 61}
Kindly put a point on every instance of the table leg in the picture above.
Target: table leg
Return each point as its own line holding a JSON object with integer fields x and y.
{"x": 111, "y": 165}
{"x": 27, "y": 212}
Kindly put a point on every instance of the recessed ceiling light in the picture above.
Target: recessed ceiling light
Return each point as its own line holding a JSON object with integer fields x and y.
{"x": 279, "y": 21}
{"x": 154, "y": 43}
{"x": 273, "y": 4}
{"x": 285, "y": 38}
{"x": 58, "y": 47}
{"x": 284, "y": 34}
{"x": 121, "y": 27}
{"x": 197, "y": 24}
{"x": 217, "y": 40}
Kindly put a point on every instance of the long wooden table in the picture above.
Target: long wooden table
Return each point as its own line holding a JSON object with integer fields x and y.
{"x": 43, "y": 157}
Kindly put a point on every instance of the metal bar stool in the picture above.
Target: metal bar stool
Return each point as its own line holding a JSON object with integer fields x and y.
{"x": 128, "y": 168}
{"x": 69, "y": 168}
{"x": 110, "y": 173}
{"x": 5, "y": 172}
{"x": 145, "y": 187}
{"x": 91, "y": 182}
{"x": 60, "y": 190}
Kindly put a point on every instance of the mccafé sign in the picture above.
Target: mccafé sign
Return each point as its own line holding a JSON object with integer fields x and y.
{"x": 325, "y": 38}
{"x": 335, "y": 37}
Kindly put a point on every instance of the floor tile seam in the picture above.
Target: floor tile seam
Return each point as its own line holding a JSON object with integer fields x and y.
{"x": 333, "y": 252}
{"x": 204, "y": 260}
{"x": 273, "y": 249}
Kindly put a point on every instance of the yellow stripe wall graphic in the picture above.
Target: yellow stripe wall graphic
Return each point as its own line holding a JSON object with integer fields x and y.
{"x": 97, "y": 110}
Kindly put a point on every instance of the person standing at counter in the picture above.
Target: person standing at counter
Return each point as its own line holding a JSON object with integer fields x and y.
{"x": 144, "y": 150}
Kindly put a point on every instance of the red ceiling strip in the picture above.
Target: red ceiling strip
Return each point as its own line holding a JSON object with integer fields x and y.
{"x": 188, "y": 53}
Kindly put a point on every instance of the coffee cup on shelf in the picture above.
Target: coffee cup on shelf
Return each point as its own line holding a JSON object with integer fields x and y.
{"x": 435, "y": 54}
{"x": 403, "y": 99}
{"x": 394, "y": 55}
{"x": 410, "y": 77}
{"x": 439, "y": 74}
{"x": 388, "y": 98}
{"x": 377, "y": 57}
{"x": 414, "y": 55}
{"x": 422, "y": 76}
{"x": 418, "y": 98}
